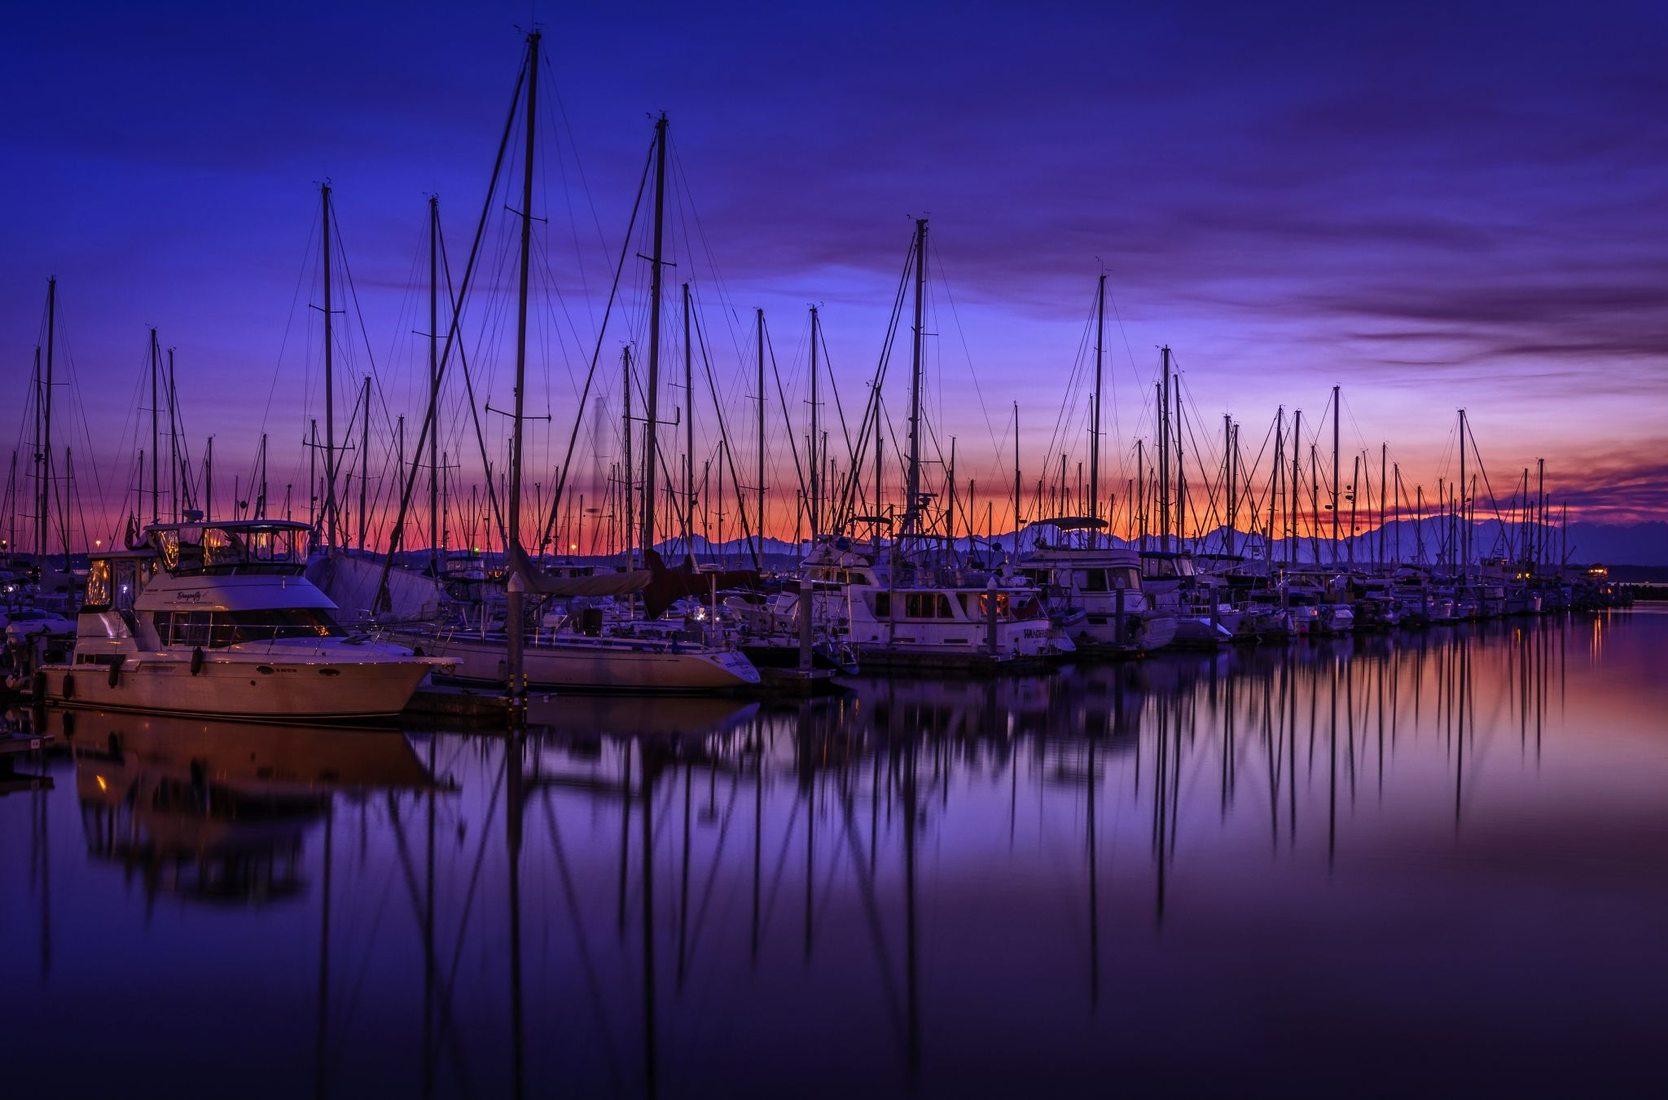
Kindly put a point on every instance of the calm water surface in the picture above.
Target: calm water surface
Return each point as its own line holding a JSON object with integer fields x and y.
{"x": 1438, "y": 862}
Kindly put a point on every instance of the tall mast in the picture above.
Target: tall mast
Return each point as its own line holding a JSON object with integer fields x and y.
{"x": 174, "y": 440}
{"x": 688, "y": 430}
{"x": 156, "y": 439}
{"x": 1018, "y": 519}
{"x": 329, "y": 384}
{"x": 628, "y": 472}
{"x": 208, "y": 480}
{"x": 1164, "y": 450}
{"x": 434, "y": 384}
{"x": 1228, "y": 475}
{"x": 1095, "y": 429}
{"x": 815, "y": 461}
{"x": 514, "y": 627}
{"x": 38, "y": 460}
{"x": 1297, "y": 475}
{"x": 912, "y": 488}
{"x": 1335, "y": 411}
{"x": 45, "y": 510}
{"x": 1181, "y": 472}
{"x": 758, "y": 523}
{"x": 364, "y": 458}
{"x": 651, "y": 412}
{"x": 1464, "y": 542}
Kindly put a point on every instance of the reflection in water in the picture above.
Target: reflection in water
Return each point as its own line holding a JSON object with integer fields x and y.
{"x": 1269, "y": 865}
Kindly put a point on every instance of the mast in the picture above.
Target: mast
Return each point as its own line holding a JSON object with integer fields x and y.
{"x": 1464, "y": 542}
{"x": 1139, "y": 498}
{"x": 689, "y": 431}
{"x": 174, "y": 439}
{"x": 329, "y": 384}
{"x": 814, "y": 459}
{"x": 45, "y": 510}
{"x": 1018, "y": 521}
{"x": 1228, "y": 473}
{"x": 651, "y": 412}
{"x": 758, "y": 523}
{"x": 1297, "y": 473}
{"x": 434, "y": 384}
{"x": 628, "y": 481}
{"x": 514, "y": 627}
{"x": 1181, "y": 473}
{"x": 1335, "y": 411}
{"x": 1094, "y": 429}
{"x": 156, "y": 483}
{"x": 913, "y": 479}
{"x": 208, "y": 480}
{"x": 1164, "y": 450}
{"x": 364, "y": 458}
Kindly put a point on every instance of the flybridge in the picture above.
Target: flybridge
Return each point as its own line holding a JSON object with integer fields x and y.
{"x": 232, "y": 546}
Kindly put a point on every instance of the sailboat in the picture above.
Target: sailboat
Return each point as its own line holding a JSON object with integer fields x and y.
{"x": 585, "y": 651}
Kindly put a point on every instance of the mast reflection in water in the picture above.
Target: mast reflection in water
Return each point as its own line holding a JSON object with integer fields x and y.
{"x": 1353, "y": 865}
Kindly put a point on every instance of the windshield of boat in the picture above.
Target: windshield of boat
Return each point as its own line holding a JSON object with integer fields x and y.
{"x": 218, "y": 629}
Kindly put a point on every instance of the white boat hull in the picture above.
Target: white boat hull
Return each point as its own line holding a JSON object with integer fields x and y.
{"x": 239, "y": 686}
{"x": 601, "y": 667}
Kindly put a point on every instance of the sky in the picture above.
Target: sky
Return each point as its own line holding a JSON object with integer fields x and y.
{"x": 1432, "y": 206}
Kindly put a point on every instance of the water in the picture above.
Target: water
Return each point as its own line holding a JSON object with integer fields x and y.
{"x": 1354, "y": 867}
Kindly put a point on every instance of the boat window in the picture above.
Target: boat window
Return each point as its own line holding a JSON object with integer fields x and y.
{"x": 883, "y": 604}
{"x": 1002, "y": 604}
{"x": 272, "y": 625}
{"x": 98, "y": 585}
{"x": 928, "y": 605}
{"x": 1094, "y": 580}
{"x": 183, "y": 627}
{"x": 126, "y": 585}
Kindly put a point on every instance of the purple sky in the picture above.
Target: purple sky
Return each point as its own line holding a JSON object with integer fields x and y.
{"x": 1435, "y": 206}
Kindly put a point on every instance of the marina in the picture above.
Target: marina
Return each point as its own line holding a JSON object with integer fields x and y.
{"x": 890, "y": 550}
{"x": 1309, "y": 868}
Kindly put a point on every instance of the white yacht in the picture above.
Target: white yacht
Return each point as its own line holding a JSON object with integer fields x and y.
{"x": 216, "y": 619}
{"x": 909, "y": 616}
{"x": 1093, "y": 589}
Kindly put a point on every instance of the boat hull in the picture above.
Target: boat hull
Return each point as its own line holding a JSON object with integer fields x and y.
{"x": 268, "y": 690}
{"x": 602, "y": 669}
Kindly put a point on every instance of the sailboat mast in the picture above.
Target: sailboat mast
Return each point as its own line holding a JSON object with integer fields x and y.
{"x": 434, "y": 384}
{"x": 329, "y": 383}
{"x": 913, "y": 480}
{"x": 628, "y": 483}
{"x": 156, "y": 439}
{"x": 174, "y": 440}
{"x": 1464, "y": 541}
{"x": 514, "y": 627}
{"x": 1094, "y": 429}
{"x": 1019, "y": 520}
{"x": 688, "y": 430}
{"x": 1164, "y": 449}
{"x": 651, "y": 412}
{"x": 814, "y": 460}
{"x": 44, "y": 512}
{"x": 1297, "y": 474}
{"x": 758, "y": 522}
{"x": 1335, "y": 411}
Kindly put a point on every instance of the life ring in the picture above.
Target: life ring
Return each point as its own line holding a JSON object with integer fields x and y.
{"x": 197, "y": 660}
{"x": 69, "y": 686}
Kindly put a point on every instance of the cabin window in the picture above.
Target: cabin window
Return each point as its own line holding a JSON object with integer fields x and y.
{"x": 883, "y": 605}
{"x": 98, "y": 585}
{"x": 928, "y": 605}
{"x": 126, "y": 585}
{"x": 1002, "y": 604}
{"x": 1094, "y": 580}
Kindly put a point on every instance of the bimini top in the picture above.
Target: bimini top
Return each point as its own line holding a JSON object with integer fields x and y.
{"x": 230, "y": 546}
